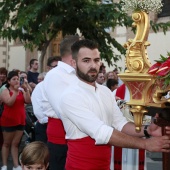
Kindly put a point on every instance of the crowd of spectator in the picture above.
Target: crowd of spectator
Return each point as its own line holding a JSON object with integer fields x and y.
{"x": 21, "y": 88}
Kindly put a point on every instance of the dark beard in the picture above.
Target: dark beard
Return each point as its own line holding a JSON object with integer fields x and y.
{"x": 86, "y": 77}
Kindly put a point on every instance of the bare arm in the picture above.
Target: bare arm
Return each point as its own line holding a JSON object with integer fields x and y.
{"x": 27, "y": 97}
{"x": 154, "y": 144}
{"x": 129, "y": 129}
{"x": 26, "y": 92}
{"x": 7, "y": 99}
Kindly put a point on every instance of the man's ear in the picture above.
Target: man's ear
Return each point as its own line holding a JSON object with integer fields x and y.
{"x": 22, "y": 166}
{"x": 73, "y": 63}
{"x": 47, "y": 166}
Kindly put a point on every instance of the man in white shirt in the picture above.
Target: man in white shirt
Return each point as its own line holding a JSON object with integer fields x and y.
{"x": 37, "y": 98}
{"x": 92, "y": 120}
{"x": 55, "y": 83}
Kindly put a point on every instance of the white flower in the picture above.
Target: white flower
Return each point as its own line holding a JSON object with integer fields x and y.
{"x": 142, "y": 5}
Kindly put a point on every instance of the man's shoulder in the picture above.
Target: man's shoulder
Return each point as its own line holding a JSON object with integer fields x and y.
{"x": 32, "y": 73}
{"x": 72, "y": 90}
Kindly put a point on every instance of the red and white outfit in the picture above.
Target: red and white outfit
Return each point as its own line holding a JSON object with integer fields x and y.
{"x": 123, "y": 158}
{"x": 55, "y": 83}
{"x": 89, "y": 116}
{"x": 14, "y": 115}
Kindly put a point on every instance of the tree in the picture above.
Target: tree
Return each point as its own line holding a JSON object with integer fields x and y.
{"x": 37, "y": 22}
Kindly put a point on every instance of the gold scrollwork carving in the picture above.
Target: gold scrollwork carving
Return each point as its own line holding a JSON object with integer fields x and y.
{"x": 138, "y": 113}
{"x": 136, "y": 54}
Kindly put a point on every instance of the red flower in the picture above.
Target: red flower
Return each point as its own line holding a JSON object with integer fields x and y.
{"x": 153, "y": 69}
{"x": 164, "y": 69}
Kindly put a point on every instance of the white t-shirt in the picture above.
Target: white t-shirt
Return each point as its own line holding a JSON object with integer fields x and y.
{"x": 89, "y": 111}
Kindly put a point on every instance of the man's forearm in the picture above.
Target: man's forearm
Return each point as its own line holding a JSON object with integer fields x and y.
{"x": 129, "y": 129}
{"x": 154, "y": 144}
{"x": 126, "y": 141}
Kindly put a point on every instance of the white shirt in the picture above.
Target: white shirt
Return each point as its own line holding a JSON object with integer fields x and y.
{"x": 37, "y": 99}
{"x": 55, "y": 83}
{"x": 89, "y": 111}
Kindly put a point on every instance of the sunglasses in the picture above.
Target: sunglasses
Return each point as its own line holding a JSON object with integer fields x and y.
{"x": 54, "y": 66}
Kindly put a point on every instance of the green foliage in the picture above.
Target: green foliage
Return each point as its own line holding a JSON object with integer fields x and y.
{"x": 157, "y": 26}
{"x": 37, "y": 22}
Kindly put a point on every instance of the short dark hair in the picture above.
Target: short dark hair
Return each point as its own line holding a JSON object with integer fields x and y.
{"x": 32, "y": 61}
{"x": 102, "y": 66}
{"x": 3, "y": 70}
{"x": 111, "y": 82}
{"x": 82, "y": 43}
{"x": 65, "y": 45}
{"x": 52, "y": 59}
{"x": 10, "y": 75}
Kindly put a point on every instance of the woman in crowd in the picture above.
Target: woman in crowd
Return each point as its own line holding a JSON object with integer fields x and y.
{"x": 13, "y": 117}
{"x": 109, "y": 75}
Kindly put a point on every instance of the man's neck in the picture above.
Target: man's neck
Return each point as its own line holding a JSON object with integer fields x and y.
{"x": 90, "y": 83}
{"x": 68, "y": 60}
{"x": 33, "y": 70}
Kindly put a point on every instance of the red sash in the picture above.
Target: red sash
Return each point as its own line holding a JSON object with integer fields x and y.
{"x": 120, "y": 92}
{"x": 83, "y": 154}
{"x": 55, "y": 131}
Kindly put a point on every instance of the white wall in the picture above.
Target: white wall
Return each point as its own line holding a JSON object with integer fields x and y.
{"x": 17, "y": 58}
{"x": 160, "y": 44}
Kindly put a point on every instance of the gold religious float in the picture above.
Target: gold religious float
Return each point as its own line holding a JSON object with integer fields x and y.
{"x": 145, "y": 90}
{"x": 136, "y": 78}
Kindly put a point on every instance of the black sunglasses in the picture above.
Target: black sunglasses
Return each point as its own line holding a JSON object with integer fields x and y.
{"x": 54, "y": 66}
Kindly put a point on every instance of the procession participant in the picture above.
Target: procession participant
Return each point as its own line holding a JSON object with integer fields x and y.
{"x": 92, "y": 120}
{"x": 55, "y": 83}
{"x": 37, "y": 98}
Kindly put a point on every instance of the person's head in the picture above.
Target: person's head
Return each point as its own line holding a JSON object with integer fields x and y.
{"x": 116, "y": 71}
{"x": 110, "y": 75}
{"x": 23, "y": 74}
{"x": 41, "y": 77}
{"x": 17, "y": 70}
{"x": 103, "y": 68}
{"x": 33, "y": 64}
{"x": 12, "y": 79}
{"x": 53, "y": 62}
{"x": 87, "y": 57}
{"x": 100, "y": 78}
{"x": 35, "y": 155}
{"x": 112, "y": 84}
{"x": 65, "y": 49}
{"x": 3, "y": 74}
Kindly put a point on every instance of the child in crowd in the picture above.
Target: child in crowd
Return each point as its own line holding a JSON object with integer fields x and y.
{"x": 35, "y": 156}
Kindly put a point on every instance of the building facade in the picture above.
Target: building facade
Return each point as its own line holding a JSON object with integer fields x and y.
{"x": 13, "y": 55}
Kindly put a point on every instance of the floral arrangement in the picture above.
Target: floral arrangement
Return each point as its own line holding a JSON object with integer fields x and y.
{"x": 142, "y": 5}
{"x": 161, "y": 69}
